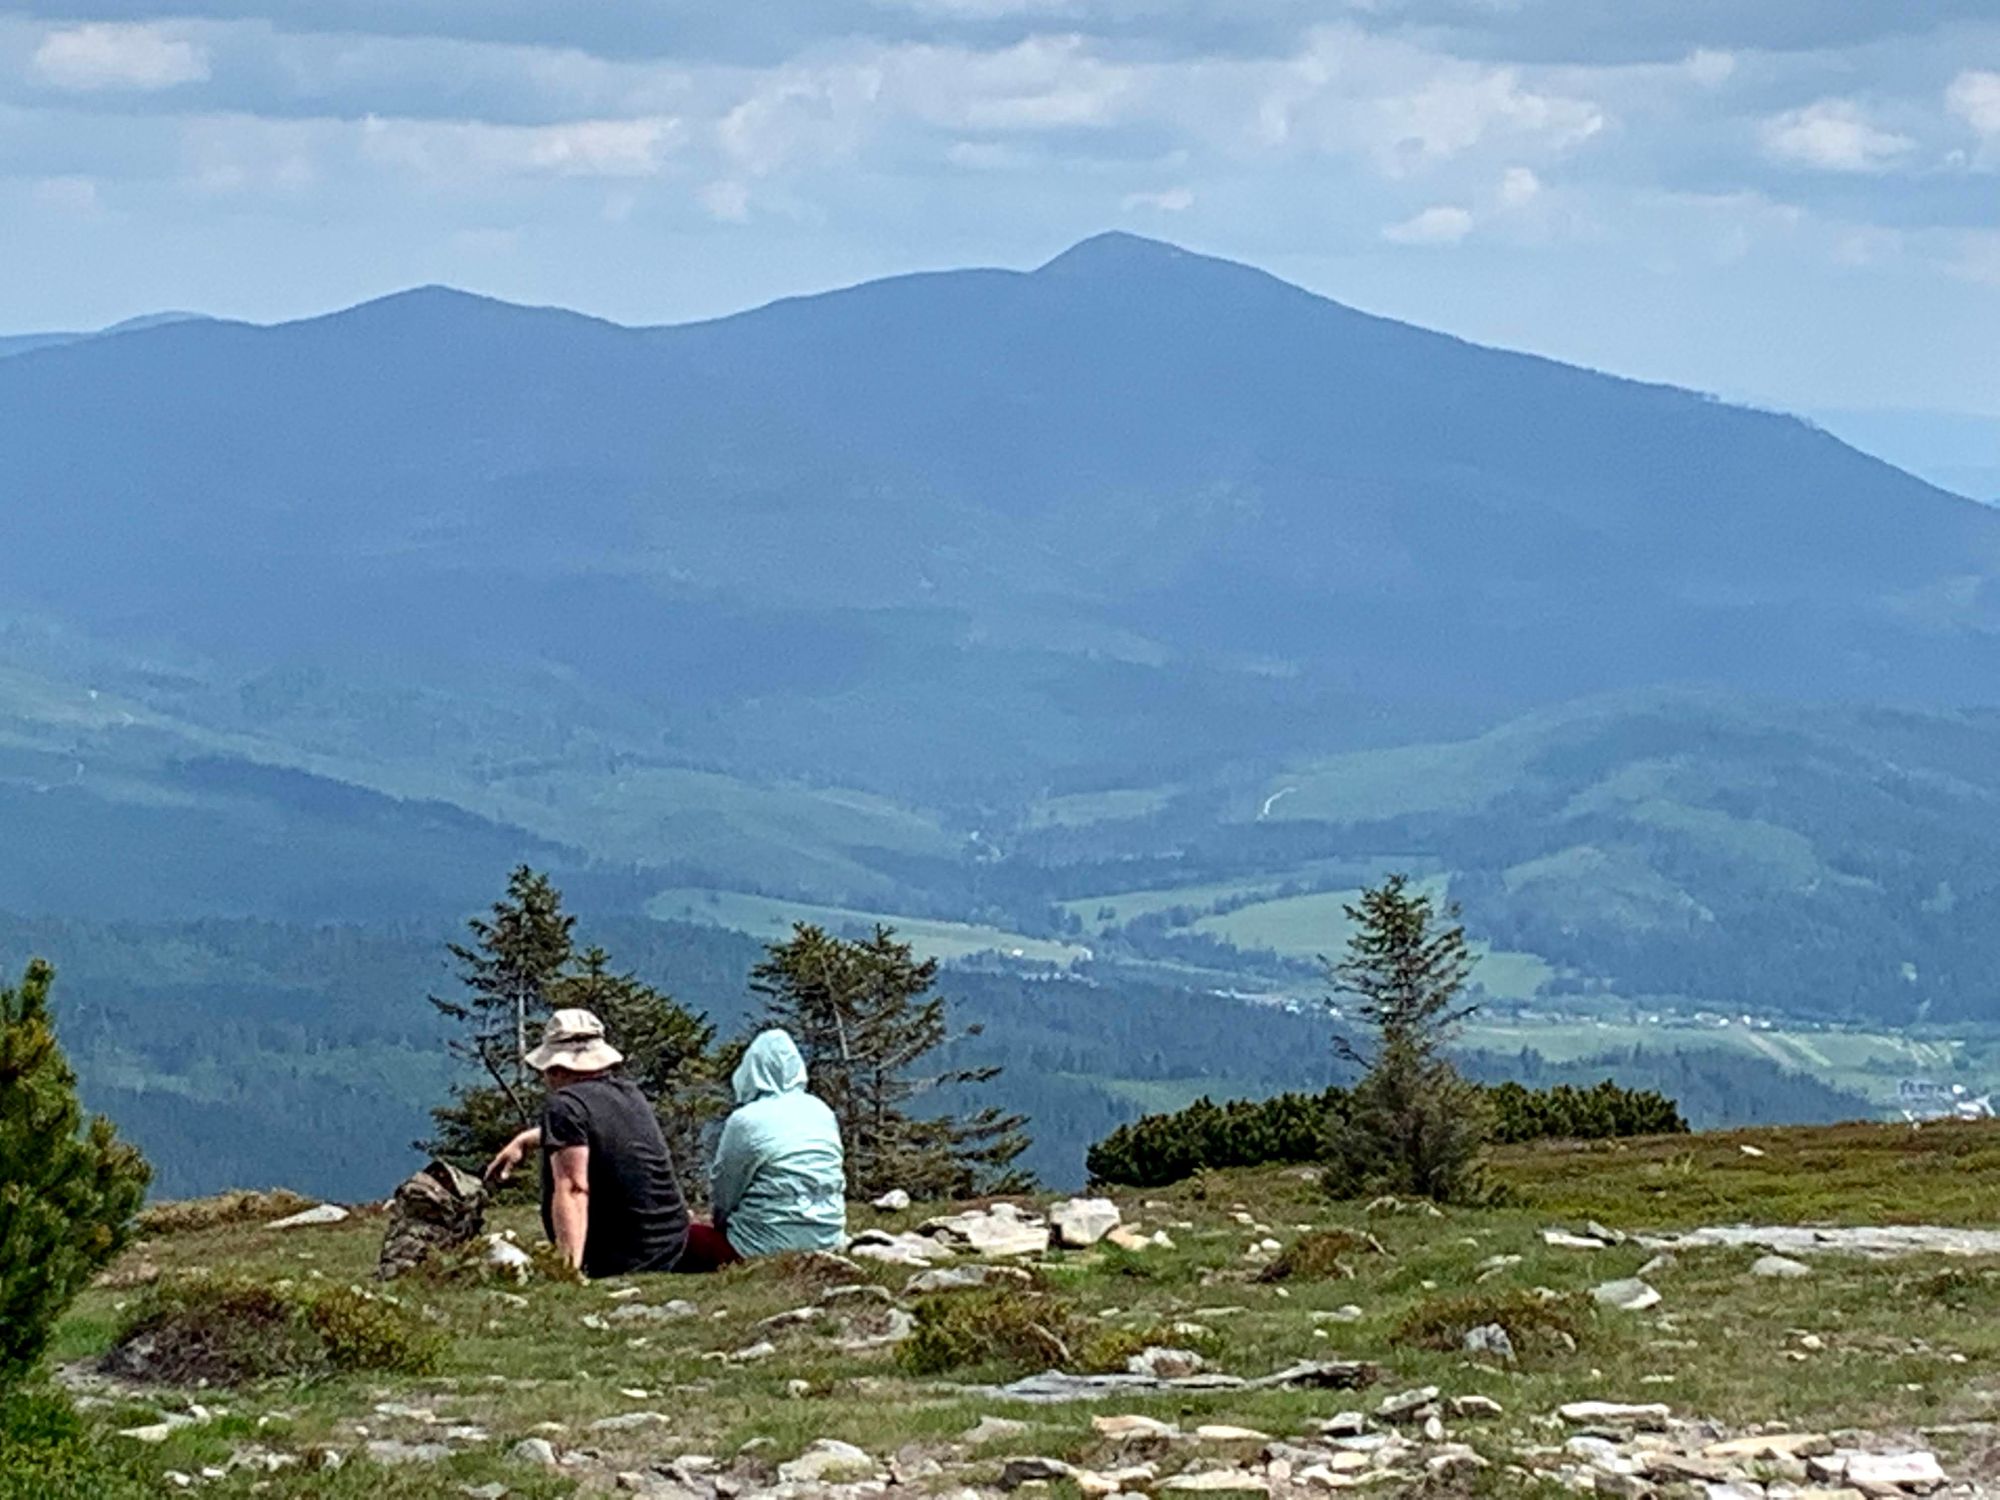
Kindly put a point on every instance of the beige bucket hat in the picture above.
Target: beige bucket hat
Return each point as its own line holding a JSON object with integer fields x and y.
{"x": 574, "y": 1039}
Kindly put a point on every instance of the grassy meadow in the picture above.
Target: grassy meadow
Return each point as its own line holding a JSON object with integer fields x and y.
{"x": 1893, "y": 1346}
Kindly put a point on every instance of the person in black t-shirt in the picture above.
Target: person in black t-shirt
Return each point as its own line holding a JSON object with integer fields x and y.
{"x": 610, "y": 1201}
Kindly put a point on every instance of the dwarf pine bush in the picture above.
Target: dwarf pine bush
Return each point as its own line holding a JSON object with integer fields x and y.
{"x": 68, "y": 1189}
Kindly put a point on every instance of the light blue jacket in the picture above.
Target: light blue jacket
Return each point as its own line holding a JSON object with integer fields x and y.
{"x": 780, "y": 1179}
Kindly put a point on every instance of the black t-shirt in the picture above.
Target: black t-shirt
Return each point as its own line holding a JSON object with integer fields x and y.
{"x": 638, "y": 1220}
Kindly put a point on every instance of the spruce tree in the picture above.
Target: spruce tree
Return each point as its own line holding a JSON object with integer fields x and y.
{"x": 507, "y": 972}
{"x": 863, "y": 1013}
{"x": 1413, "y": 1124}
{"x": 667, "y": 1054}
{"x": 68, "y": 1189}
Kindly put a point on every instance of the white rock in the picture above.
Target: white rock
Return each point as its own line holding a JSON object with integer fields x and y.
{"x": 1219, "y": 1481}
{"x": 1123, "y": 1427}
{"x": 1000, "y": 1230}
{"x": 535, "y": 1451}
{"x": 1635, "y": 1414}
{"x": 630, "y": 1421}
{"x": 894, "y": 1201}
{"x": 961, "y": 1278}
{"x": 1081, "y": 1222}
{"x": 993, "y": 1430}
{"x": 1629, "y": 1294}
{"x": 1405, "y": 1405}
{"x": 390, "y": 1451}
{"x": 653, "y": 1312}
{"x": 1222, "y": 1432}
{"x": 1909, "y": 1471}
{"x": 1490, "y": 1339}
{"x": 156, "y": 1432}
{"x": 1781, "y": 1266}
{"x": 1751, "y": 1150}
{"x": 1562, "y": 1239}
{"x": 509, "y": 1258}
{"x": 898, "y": 1249}
{"x": 1769, "y": 1445}
{"x": 825, "y": 1458}
{"x": 326, "y": 1213}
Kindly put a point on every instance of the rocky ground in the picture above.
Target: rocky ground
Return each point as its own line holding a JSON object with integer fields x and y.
{"x": 1240, "y": 1334}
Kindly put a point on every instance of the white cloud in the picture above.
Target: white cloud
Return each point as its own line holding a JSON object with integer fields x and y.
{"x": 1519, "y": 187}
{"x": 727, "y": 202}
{"x": 105, "y": 55}
{"x": 1445, "y": 224}
{"x": 229, "y": 154}
{"x": 1405, "y": 109}
{"x": 74, "y": 195}
{"x": 1834, "y": 135}
{"x": 799, "y": 115}
{"x": 1975, "y": 98}
{"x": 1177, "y": 200}
{"x": 453, "y": 150}
{"x": 1453, "y": 114}
{"x": 1044, "y": 83}
{"x": 1709, "y": 68}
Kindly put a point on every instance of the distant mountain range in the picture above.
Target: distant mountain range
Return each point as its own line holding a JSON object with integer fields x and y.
{"x": 22, "y": 343}
{"x": 1141, "y": 604}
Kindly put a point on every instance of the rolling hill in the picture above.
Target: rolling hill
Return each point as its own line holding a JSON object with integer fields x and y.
{"x": 1139, "y": 604}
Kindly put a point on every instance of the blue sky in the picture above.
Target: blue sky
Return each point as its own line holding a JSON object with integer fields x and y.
{"x": 1793, "y": 201}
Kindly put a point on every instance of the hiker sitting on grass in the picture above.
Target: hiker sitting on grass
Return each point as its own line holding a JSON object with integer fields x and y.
{"x": 780, "y": 1180}
{"x": 610, "y": 1201}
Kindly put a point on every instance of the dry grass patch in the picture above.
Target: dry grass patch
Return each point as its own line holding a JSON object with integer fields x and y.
{"x": 191, "y": 1215}
{"x": 1323, "y": 1255}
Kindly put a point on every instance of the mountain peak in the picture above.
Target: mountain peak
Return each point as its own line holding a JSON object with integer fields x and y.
{"x": 1117, "y": 252}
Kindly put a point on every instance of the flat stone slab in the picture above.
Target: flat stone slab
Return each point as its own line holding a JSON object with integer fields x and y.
{"x": 1881, "y": 1241}
{"x": 1056, "y": 1386}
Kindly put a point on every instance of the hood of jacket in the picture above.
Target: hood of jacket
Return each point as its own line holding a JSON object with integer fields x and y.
{"x": 770, "y": 1067}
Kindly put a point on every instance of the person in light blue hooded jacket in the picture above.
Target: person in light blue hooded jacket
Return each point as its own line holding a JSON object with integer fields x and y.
{"x": 780, "y": 1180}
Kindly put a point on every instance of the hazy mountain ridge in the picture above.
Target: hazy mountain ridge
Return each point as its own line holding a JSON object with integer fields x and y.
{"x": 1140, "y": 583}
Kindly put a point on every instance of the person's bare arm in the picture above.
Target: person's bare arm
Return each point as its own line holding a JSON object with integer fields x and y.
{"x": 511, "y": 1155}
{"x": 569, "y": 1207}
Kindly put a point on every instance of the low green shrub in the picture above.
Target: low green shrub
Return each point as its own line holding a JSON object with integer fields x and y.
{"x": 1603, "y": 1111}
{"x": 1159, "y": 1149}
{"x": 46, "y": 1453}
{"x": 1535, "y": 1324}
{"x": 1294, "y": 1129}
{"x": 1013, "y": 1328}
{"x": 224, "y": 1331}
{"x": 363, "y": 1331}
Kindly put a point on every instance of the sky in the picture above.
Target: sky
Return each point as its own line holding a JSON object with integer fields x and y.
{"x": 1795, "y": 202}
